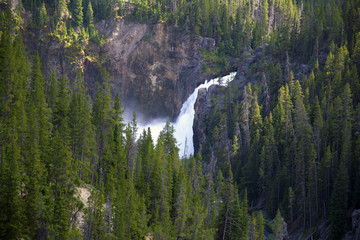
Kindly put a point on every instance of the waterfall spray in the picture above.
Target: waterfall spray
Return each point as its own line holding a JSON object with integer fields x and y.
{"x": 184, "y": 123}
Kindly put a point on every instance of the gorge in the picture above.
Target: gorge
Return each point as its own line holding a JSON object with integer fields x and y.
{"x": 184, "y": 122}
{"x": 268, "y": 148}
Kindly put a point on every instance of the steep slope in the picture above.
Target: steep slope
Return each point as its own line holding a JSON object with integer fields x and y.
{"x": 154, "y": 68}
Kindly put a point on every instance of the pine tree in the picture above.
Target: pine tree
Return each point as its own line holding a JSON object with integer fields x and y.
{"x": 183, "y": 189}
{"x": 94, "y": 225}
{"x": 60, "y": 167}
{"x": 305, "y": 154}
{"x": 338, "y": 204}
{"x": 52, "y": 91}
{"x": 318, "y": 126}
{"x": 12, "y": 127}
{"x": 62, "y": 10}
{"x": 278, "y": 226}
{"x": 38, "y": 109}
{"x": 347, "y": 126}
{"x": 260, "y": 226}
{"x": 250, "y": 170}
{"x": 196, "y": 206}
{"x": 356, "y": 52}
{"x": 78, "y": 13}
{"x": 233, "y": 219}
{"x": 356, "y": 168}
{"x": 10, "y": 185}
{"x": 144, "y": 163}
{"x": 135, "y": 224}
{"x": 268, "y": 164}
{"x": 285, "y": 139}
{"x": 36, "y": 152}
{"x": 61, "y": 111}
{"x": 325, "y": 177}
{"x": 102, "y": 113}
{"x": 33, "y": 198}
{"x": 253, "y": 228}
{"x": 6, "y": 72}
{"x": 264, "y": 19}
{"x": 130, "y": 146}
{"x": 82, "y": 137}
{"x": 89, "y": 19}
{"x": 43, "y": 18}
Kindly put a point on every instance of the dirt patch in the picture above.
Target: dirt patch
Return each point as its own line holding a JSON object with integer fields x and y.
{"x": 83, "y": 195}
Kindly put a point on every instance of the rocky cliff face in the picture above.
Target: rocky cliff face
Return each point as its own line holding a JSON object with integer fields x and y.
{"x": 153, "y": 67}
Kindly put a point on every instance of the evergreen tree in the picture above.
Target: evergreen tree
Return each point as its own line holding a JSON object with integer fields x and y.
{"x": 347, "y": 126}
{"x": 12, "y": 128}
{"x": 38, "y": 109}
{"x": 233, "y": 218}
{"x": 82, "y": 135}
{"x": 78, "y": 13}
{"x": 52, "y": 91}
{"x": 338, "y": 204}
{"x": 94, "y": 225}
{"x": 278, "y": 227}
{"x": 102, "y": 121}
{"x": 10, "y": 182}
{"x": 182, "y": 203}
{"x": 43, "y": 18}
{"x": 89, "y": 19}
{"x": 305, "y": 154}
{"x": 356, "y": 52}
{"x": 135, "y": 224}
{"x": 260, "y": 226}
{"x": 62, "y": 10}
{"x": 36, "y": 150}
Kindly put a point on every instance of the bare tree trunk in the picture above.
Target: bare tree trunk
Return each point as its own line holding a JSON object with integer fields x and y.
{"x": 226, "y": 219}
{"x": 271, "y": 19}
{"x": 267, "y": 95}
{"x": 316, "y": 189}
{"x": 246, "y": 120}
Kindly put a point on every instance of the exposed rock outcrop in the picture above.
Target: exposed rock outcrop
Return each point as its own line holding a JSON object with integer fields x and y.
{"x": 356, "y": 224}
{"x": 155, "y": 67}
{"x": 354, "y": 234}
{"x": 83, "y": 195}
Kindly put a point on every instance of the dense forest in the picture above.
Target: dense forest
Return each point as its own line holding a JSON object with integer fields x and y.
{"x": 286, "y": 151}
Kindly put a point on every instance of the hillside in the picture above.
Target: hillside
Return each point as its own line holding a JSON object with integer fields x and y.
{"x": 276, "y": 150}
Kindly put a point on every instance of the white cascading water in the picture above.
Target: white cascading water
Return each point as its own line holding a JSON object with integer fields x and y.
{"x": 184, "y": 123}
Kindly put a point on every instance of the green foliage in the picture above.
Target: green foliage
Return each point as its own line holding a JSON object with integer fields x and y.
{"x": 338, "y": 204}
{"x": 62, "y": 10}
{"x": 290, "y": 154}
{"x": 89, "y": 19}
{"x": 43, "y": 18}
{"x": 213, "y": 63}
{"x": 78, "y": 13}
{"x": 295, "y": 146}
{"x": 278, "y": 226}
{"x": 233, "y": 219}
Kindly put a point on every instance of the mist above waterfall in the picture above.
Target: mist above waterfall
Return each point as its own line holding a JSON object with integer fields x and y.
{"x": 184, "y": 123}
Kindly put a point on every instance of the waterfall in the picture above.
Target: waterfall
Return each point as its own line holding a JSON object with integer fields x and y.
{"x": 184, "y": 123}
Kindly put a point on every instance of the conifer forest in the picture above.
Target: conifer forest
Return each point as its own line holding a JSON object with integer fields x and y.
{"x": 277, "y": 155}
